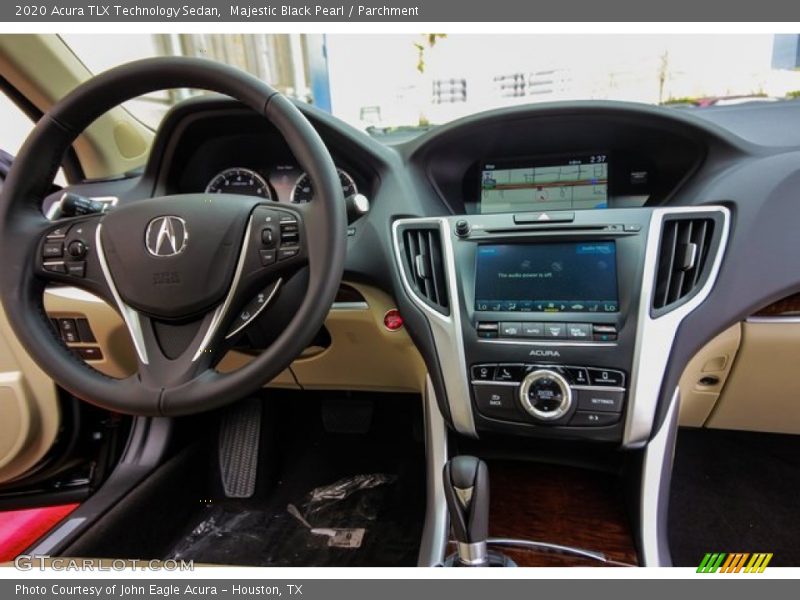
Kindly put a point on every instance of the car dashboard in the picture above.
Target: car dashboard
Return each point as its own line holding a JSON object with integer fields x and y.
{"x": 546, "y": 260}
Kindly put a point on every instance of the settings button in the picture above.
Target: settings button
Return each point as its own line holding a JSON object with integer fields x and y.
{"x": 600, "y": 400}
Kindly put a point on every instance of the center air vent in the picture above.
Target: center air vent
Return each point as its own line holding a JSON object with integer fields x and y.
{"x": 424, "y": 260}
{"x": 682, "y": 259}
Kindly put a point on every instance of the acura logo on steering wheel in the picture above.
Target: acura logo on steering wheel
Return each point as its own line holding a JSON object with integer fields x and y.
{"x": 166, "y": 236}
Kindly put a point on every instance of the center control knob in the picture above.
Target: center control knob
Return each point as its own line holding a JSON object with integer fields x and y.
{"x": 545, "y": 395}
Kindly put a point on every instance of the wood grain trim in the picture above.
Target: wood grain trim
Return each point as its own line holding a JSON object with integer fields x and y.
{"x": 559, "y": 505}
{"x": 786, "y": 307}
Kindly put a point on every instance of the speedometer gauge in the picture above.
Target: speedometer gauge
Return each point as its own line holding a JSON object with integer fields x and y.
{"x": 241, "y": 181}
{"x": 303, "y": 191}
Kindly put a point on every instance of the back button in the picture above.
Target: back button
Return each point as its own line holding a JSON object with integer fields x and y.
{"x": 497, "y": 401}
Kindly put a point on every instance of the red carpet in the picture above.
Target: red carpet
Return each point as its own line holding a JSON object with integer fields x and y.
{"x": 21, "y": 528}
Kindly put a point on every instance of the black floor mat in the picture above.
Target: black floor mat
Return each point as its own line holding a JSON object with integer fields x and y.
{"x": 242, "y": 535}
{"x": 735, "y": 492}
{"x": 261, "y": 532}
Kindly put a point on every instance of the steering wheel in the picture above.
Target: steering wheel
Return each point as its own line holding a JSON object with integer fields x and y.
{"x": 178, "y": 268}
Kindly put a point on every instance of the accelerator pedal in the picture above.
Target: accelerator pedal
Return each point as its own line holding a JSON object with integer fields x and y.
{"x": 239, "y": 437}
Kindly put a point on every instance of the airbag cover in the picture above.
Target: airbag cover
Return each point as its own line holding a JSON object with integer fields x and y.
{"x": 174, "y": 257}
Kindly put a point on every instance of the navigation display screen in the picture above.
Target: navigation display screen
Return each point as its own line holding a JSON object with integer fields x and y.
{"x": 547, "y": 277}
{"x": 573, "y": 183}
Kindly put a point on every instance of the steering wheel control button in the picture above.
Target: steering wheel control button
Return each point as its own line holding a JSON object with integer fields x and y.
{"x": 545, "y": 395}
{"x": 53, "y": 250}
{"x": 59, "y": 233}
{"x": 600, "y": 400}
{"x": 76, "y": 269}
{"x": 55, "y": 266}
{"x": 496, "y": 401}
{"x": 606, "y": 377}
{"x": 69, "y": 330}
{"x": 88, "y": 353}
{"x": 510, "y": 330}
{"x": 77, "y": 249}
{"x": 579, "y": 331}
{"x": 277, "y": 236}
{"x": 286, "y": 253}
{"x": 583, "y": 418}
{"x": 268, "y": 257}
{"x": 253, "y": 308}
{"x": 290, "y": 233}
{"x": 268, "y": 237}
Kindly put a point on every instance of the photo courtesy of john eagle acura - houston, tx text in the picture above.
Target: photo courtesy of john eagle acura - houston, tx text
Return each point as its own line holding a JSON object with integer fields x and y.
{"x": 398, "y": 300}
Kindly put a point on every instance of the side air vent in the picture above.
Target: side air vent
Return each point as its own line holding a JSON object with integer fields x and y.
{"x": 425, "y": 266}
{"x": 682, "y": 259}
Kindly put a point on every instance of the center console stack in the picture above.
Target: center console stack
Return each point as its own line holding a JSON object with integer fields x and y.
{"x": 546, "y": 302}
{"x": 537, "y": 316}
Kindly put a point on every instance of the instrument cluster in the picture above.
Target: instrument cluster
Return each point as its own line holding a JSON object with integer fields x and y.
{"x": 280, "y": 183}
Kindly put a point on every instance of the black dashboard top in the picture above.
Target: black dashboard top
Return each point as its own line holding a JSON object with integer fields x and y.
{"x": 655, "y": 155}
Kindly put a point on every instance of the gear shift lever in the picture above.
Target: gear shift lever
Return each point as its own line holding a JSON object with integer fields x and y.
{"x": 466, "y": 488}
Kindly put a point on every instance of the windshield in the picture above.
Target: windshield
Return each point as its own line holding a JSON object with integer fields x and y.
{"x": 408, "y": 83}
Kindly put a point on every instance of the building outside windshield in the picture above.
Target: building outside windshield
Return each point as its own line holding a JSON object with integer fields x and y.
{"x": 399, "y": 85}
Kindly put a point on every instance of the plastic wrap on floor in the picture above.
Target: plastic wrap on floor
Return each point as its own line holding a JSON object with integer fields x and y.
{"x": 356, "y": 521}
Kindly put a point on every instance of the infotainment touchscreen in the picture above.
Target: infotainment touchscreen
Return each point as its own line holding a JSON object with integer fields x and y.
{"x": 577, "y": 182}
{"x": 547, "y": 277}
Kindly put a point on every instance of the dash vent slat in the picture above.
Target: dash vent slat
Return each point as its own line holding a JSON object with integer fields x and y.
{"x": 425, "y": 266}
{"x": 682, "y": 259}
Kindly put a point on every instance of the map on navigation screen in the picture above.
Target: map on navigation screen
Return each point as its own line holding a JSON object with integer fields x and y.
{"x": 579, "y": 183}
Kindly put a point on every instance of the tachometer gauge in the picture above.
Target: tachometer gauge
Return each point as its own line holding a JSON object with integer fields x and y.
{"x": 303, "y": 191}
{"x": 239, "y": 181}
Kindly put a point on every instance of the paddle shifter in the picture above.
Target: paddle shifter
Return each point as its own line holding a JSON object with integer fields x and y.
{"x": 466, "y": 488}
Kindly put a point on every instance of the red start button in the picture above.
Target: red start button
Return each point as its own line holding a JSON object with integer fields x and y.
{"x": 392, "y": 320}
